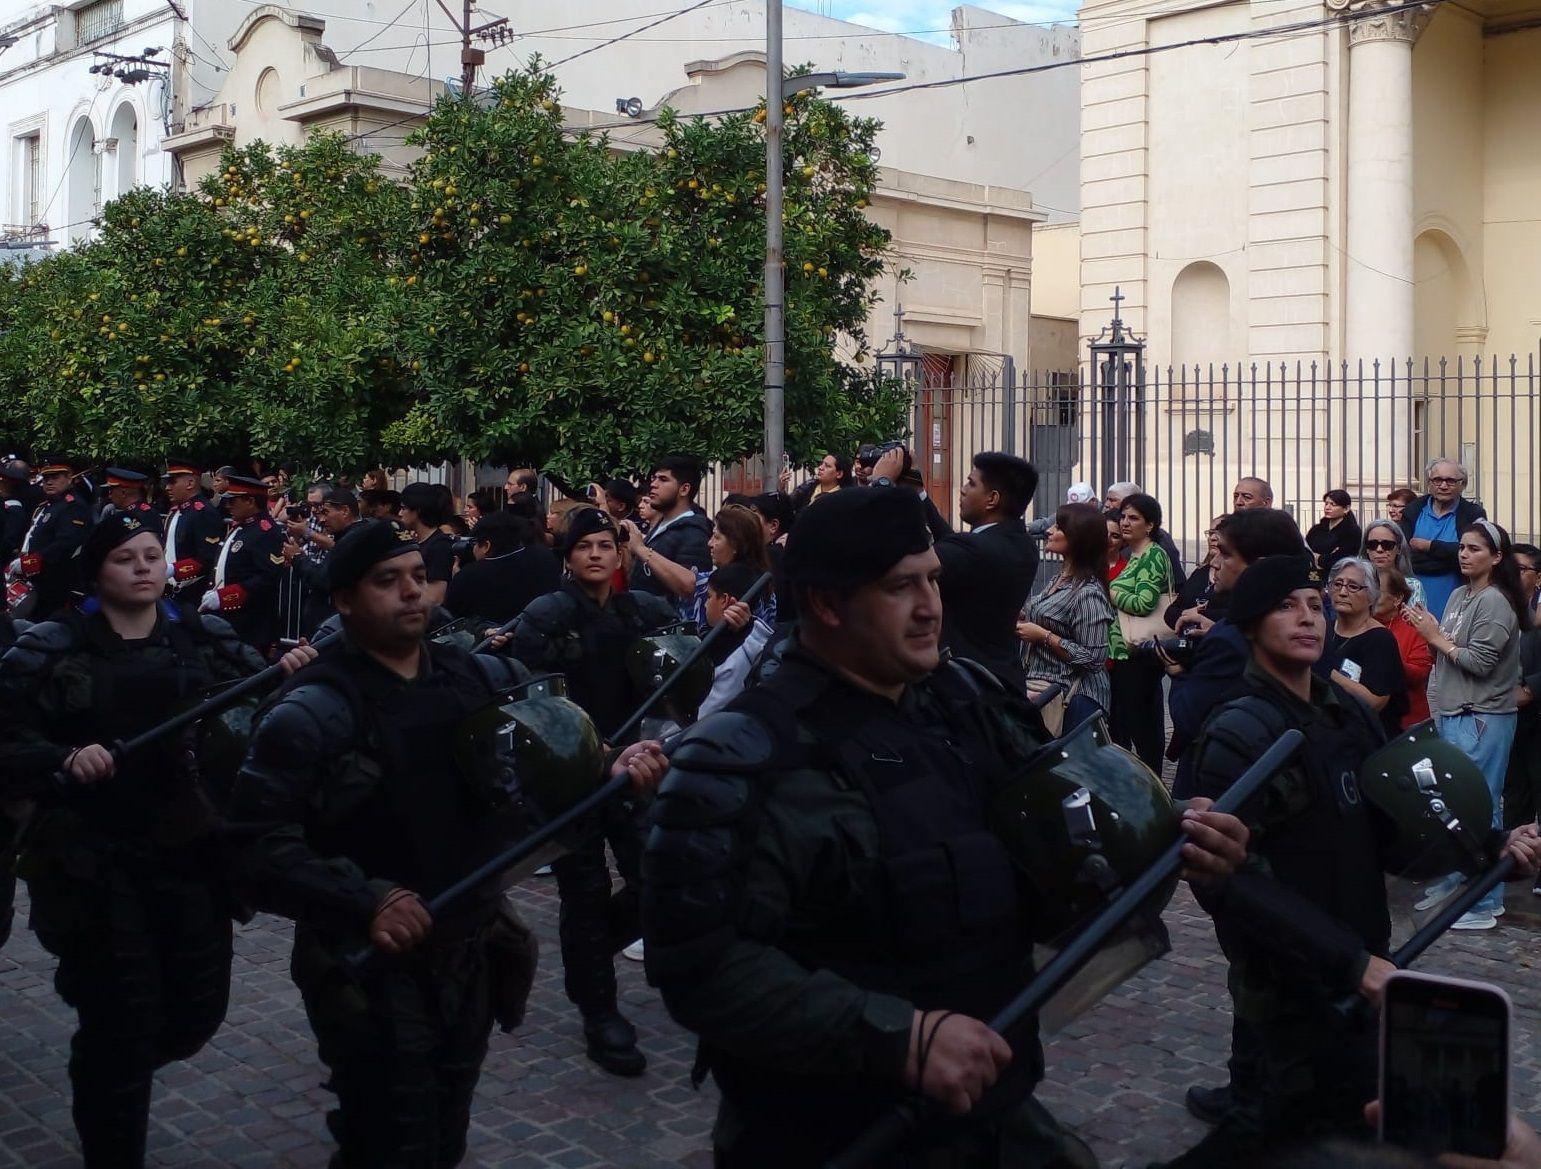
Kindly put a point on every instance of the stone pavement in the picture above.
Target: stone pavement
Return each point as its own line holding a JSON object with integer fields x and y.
{"x": 252, "y": 1098}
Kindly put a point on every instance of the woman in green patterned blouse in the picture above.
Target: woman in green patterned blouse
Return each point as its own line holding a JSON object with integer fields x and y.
{"x": 1138, "y": 717}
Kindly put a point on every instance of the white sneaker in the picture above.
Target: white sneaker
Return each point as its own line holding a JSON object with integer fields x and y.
{"x": 1476, "y": 920}
{"x": 633, "y": 951}
{"x": 1499, "y": 912}
{"x": 1437, "y": 892}
{"x": 543, "y": 871}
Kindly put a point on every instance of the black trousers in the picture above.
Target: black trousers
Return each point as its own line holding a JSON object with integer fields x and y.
{"x": 405, "y": 1044}
{"x": 144, "y": 955}
{"x": 595, "y": 922}
{"x": 1138, "y": 718}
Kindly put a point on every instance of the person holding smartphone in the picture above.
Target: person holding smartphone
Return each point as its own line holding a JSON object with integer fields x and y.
{"x": 1476, "y": 673}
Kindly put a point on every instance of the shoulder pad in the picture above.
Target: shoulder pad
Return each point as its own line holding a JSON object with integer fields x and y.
{"x": 726, "y": 742}
{"x": 551, "y": 610}
{"x": 311, "y": 716}
{"x": 1251, "y": 715}
{"x": 654, "y": 610}
{"x": 46, "y": 638}
{"x": 500, "y": 671}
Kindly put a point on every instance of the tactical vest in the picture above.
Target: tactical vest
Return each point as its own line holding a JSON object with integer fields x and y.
{"x": 590, "y": 649}
{"x": 1317, "y": 833}
{"x": 938, "y": 918}
{"x": 113, "y": 690}
{"x": 407, "y": 801}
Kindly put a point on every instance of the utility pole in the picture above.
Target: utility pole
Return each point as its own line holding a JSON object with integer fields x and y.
{"x": 470, "y": 57}
{"x": 775, "y": 268}
{"x": 778, "y": 88}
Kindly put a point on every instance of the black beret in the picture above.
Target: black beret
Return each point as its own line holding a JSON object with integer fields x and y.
{"x": 585, "y": 521}
{"x": 116, "y": 528}
{"x": 851, "y": 538}
{"x": 363, "y": 546}
{"x": 1266, "y": 582}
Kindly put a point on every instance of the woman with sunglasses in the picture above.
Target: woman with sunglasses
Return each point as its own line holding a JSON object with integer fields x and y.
{"x": 1386, "y": 547}
{"x": 1361, "y": 654}
{"x": 1476, "y": 672}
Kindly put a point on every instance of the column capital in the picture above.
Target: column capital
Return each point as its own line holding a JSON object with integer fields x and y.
{"x": 1383, "y": 20}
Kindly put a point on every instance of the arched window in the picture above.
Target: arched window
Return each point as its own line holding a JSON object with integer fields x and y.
{"x": 83, "y": 179}
{"x": 124, "y": 128}
{"x": 1201, "y": 316}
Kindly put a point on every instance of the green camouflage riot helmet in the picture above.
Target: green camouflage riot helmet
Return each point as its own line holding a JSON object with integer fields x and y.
{"x": 557, "y": 756}
{"x": 651, "y": 660}
{"x": 1081, "y": 821}
{"x": 1436, "y": 812}
{"x": 463, "y": 633}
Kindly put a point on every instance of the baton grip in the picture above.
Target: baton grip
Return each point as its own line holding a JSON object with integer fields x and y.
{"x": 880, "y": 1140}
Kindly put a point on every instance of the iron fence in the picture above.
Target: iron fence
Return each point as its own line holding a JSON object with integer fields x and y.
{"x": 1187, "y": 434}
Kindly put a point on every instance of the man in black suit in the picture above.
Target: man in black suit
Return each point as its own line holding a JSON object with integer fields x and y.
{"x": 988, "y": 572}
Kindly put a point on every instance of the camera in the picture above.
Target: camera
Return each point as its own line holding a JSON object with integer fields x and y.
{"x": 1170, "y": 651}
{"x": 298, "y": 511}
{"x": 465, "y": 549}
{"x": 869, "y": 453}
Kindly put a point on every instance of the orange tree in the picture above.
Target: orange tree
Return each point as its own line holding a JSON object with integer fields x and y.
{"x": 585, "y": 309}
{"x": 252, "y": 316}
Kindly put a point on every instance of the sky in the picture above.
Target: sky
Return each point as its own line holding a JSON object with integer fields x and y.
{"x": 929, "y": 19}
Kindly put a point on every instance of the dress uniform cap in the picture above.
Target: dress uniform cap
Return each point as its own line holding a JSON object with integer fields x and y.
{"x": 55, "y": 464}
{"x": 852, "y": 537}
{"x": 363, "y": 546}
{"x": 1265, "y": 584}
{"x": 178, "y": 465}
{"x": 247, "y": 486}
{"x": 586, "y": 521}
{"x": 115, "y": 529}
{"x": 123, "y": 477}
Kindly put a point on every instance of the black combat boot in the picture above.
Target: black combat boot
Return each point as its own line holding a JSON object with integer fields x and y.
{"x": 1209, "y": 1104}
{"x": 612, "y": 1044}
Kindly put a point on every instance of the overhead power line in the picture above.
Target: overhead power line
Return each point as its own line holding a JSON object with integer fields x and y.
{"x": 628, "y": 35}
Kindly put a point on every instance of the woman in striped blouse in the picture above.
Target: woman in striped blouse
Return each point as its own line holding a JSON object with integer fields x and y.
{"x": 1065, "y": 627}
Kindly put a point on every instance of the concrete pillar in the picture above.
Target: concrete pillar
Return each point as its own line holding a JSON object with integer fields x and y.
{"x": 1379, "y": 311}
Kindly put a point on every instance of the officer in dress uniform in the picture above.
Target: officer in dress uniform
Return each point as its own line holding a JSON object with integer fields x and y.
{"x": 13, "y": 508}
{"x": 195, "y": 531}
{"x": 245, "y": 586}
{"x": 119, "y": 857}
{"x": 358, "y": 811}
{"x": 824, "y": 902}
{"x": 584, "y": 630}
{"x": 1306, "y": 922}
{"x": 59, "y": 527}
{"x": 128, "y": 491}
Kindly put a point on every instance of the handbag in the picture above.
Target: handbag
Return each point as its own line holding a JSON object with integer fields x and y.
{"x": 1053, "y": 711}
{"x": 1136, "y": 628}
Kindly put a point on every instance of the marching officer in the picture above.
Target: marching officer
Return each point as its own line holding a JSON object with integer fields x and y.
{"x": 118, "y": 855}
{"x": 195, "y": 530}
{"x": 824, "y": 902}
{"x": 245, "y": 586}
{"x": 584, "y": 630}
{"x": 1306, "y": 921}
{"x": 59, "y": 526}
{"x": 128, "y": 491}
{"x": 358, "y": 812}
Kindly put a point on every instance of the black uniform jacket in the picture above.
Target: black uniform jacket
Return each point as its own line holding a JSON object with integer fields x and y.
{"x": 986, "y": 577}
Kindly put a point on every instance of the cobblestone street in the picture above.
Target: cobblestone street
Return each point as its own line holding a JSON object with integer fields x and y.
{"x": 252, "y": 1098}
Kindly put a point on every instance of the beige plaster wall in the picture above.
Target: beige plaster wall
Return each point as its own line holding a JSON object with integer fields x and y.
{"x": 1512, "y": 191}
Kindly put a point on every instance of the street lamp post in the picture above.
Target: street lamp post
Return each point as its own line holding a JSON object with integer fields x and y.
{"x": 775, "y": 265}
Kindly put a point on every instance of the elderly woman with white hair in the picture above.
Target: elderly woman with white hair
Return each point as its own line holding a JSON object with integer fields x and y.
{"x": 1362, "y": 655}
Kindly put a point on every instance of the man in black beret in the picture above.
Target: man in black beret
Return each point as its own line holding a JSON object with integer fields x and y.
{"x": 366, "y": 809}
{"x": 824, "y": 902}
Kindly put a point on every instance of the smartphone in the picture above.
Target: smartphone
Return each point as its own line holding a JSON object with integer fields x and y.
{"x": 1444, "y": 1065}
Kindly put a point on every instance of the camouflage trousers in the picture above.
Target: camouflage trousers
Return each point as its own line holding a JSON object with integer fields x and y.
{"x": 404, "y": 1041}
{"x": 144, "y": 948}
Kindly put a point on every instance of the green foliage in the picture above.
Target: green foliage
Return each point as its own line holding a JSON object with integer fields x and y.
{"x": 524, "y": 296}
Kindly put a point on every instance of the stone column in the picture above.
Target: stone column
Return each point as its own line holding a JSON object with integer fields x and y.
{"x": 1379, "y": 260}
